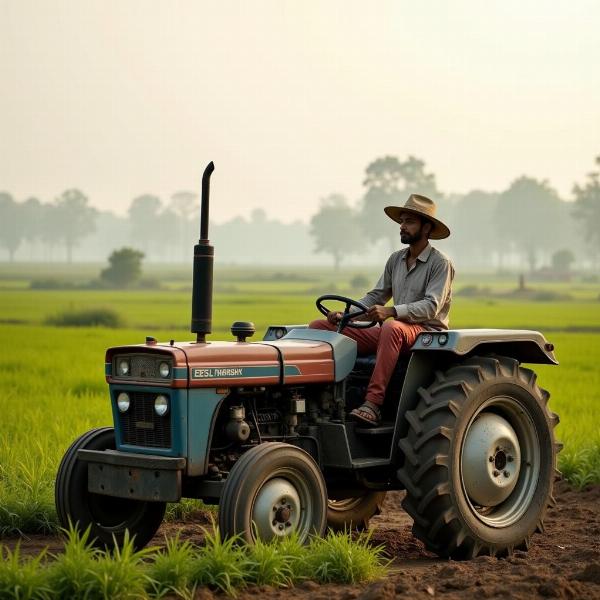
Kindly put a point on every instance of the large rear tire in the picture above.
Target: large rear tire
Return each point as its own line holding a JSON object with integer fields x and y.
{"x": 480, "y": 459}
{"x": 273, "y": 490}
{"x": 108, "y": 517}
{"x": 354, "y": 513}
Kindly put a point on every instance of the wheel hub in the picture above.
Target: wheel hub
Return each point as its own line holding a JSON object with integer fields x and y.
{"x": 277, "y": 509}
{"x": 491, "y": 460}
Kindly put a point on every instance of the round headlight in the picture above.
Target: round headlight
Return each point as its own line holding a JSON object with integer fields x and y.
{"x": 123, "y": 401}
{"x": 161, "y": 405}
{"x": 426, "y": 339}
{"x": 164, "y": 369}
{"x": 123, "y": 367}
{"x": 442, "y": 339}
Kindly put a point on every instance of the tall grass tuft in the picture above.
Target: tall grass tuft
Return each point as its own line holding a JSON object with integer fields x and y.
{"x": 71, "y": 575}
{"x": 22, "y": 579}
{"x": 170, "y": 570}
{"x": 340, "y": 558}
{"x": 581, "y": 467}
{"x": 188, "y": 508}
{"x": 269, "y": 563}
{"x": 220, "y": 564}
{"x": 120, "y": 575}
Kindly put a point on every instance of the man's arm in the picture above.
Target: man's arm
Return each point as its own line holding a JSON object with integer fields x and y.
{"x": 382, "y": 291}
{"x": 436, "y": 293}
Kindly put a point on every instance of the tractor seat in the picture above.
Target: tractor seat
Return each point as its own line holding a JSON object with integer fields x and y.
{"x": 364, "y": 365}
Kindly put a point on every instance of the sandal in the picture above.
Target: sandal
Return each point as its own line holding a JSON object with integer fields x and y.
{"x": 368, "y": 413}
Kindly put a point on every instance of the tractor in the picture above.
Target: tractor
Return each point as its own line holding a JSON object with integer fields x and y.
{"x": 262, "y": 430}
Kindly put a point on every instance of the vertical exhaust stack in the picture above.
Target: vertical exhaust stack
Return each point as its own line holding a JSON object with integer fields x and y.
{"x": 203, "y": 268}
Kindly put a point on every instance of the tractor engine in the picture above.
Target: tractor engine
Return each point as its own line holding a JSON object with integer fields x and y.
{"x": 253, "y": 415}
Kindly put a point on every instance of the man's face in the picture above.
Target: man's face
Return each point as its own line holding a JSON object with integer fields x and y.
{"x": 411, "y": 228}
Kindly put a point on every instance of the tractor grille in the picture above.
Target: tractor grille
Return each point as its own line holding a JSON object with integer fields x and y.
{"x": 141, "y": 426}
{"x": 144, "y": 366}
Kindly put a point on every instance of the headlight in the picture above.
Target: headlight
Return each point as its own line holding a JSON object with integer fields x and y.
{"x": 123, "y": 401}
{"x": 161, "y": 405}
{"x": 164, "y": 369}
{"x": 123, "y": 367}
{"x": 442, "y": 339}
{"x": 426, "y": 339}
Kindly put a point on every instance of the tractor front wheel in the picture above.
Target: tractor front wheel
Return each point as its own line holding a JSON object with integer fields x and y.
{"x": 273, "y": 490}
{"x": 108, "y": 517}
{"x": 480, "y": 459}
{"x": 354, "y": 513}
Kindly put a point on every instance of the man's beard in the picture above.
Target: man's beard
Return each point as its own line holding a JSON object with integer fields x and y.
{"x": 406, "y": 238}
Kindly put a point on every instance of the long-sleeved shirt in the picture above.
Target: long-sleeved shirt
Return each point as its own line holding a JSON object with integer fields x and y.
{"x": 421, "y": 294}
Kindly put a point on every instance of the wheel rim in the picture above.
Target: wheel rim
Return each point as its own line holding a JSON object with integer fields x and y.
{"x": 499, "y": 462}
{"x": 345, "y": 504}
{"x": 283, "y": 505}
{"x": 114, "y": 514}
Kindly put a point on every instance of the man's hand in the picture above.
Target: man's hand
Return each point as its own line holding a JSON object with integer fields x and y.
{"x": 334, "y": 317}
{"x": 381, "y": 313}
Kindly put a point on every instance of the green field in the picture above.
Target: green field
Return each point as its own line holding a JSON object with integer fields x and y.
{"x": 53, "y": 389}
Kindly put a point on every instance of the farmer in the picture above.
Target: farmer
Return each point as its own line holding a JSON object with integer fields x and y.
{"x": 419, "y": 280}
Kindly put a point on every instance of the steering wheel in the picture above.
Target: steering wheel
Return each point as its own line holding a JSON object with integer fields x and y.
{"x": 347, "y": 317}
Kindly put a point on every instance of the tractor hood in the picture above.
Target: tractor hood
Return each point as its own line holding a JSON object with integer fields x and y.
{"x": 323, "y": 357}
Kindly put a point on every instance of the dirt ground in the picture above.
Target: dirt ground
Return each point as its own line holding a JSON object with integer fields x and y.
{"x": 564, "y": 562}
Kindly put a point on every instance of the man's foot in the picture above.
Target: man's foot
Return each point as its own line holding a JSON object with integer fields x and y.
{"x": 367, "y": 413}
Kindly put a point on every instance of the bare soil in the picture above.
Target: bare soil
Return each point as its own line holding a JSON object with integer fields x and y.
{"x": 564, "y": 562}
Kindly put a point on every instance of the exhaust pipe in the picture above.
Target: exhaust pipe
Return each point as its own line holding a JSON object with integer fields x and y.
{"x": 203, "y": 268}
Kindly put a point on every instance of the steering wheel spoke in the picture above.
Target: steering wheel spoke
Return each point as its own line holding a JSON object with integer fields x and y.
{"x": 348, "y": 317}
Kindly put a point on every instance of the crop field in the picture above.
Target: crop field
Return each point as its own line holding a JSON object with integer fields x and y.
{"x": 52, "y": 387}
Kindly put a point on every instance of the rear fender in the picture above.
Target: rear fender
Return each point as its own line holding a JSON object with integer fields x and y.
{"x": 431, "y": 356}
{"x": 524, "y": 345}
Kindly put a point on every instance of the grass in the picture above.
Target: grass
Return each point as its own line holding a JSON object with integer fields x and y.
{"x": 53, "y": 389}
{"x": 84, "y": 572}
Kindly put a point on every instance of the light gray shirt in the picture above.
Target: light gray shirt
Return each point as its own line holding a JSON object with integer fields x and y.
{"x": 422, "y": 294}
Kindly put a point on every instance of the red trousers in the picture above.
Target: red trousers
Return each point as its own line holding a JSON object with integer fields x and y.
{"x": 389, "y": 340}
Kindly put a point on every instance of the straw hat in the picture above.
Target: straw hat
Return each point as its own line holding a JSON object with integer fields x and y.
{"x": 423, "y": 207}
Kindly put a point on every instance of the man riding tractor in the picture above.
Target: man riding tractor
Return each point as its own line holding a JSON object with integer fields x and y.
{"x": 419, "y": 279}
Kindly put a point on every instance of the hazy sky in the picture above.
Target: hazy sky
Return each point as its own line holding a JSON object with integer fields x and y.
{"x": 292, "y": 99}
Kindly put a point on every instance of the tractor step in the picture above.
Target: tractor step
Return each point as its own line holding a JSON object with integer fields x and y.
{"x": 383, "y": 429}
{"x": 365, "y": 463}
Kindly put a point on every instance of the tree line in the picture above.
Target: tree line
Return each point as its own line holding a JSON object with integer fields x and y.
{"x": 525, "y": 225}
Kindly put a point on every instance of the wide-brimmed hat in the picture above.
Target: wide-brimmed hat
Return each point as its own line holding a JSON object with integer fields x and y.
{"x": 423, "y": 207}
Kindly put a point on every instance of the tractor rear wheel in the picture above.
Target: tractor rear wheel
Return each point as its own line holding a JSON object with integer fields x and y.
{"x": 273, "y": 490}
{"x": 480, "y": 459}
{"x": 108, "y": 517}
{"x": 354, "y": 513}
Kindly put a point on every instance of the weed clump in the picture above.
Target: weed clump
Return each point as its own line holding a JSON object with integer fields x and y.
{"x": 340, "y": 558}
{"x": 92, "y": 317}
{"x": 180, "y": 567}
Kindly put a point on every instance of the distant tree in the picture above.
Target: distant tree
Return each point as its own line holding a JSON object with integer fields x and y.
{"x": 389, "y": 182}
{"x": 336, "y": 229}
{"x": 168, "y": 238}
{"x": 51, "y": 231}
{"x": 562, "y": 260}
{"x": 77, "y": 219}
{"x": 125, "y": 267}
{"x": 258, "y": 217}
{"x": 528, "y": 215}
{"x": 12, "y": 224}
{"x": 587, "y": 209}
{"x": 34, "y": 220}
{"x": 185, "y": 205}
{"x": 144, "y": 217}
{"x": 359, "y": 282}
{"x": 471, "y": 223}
